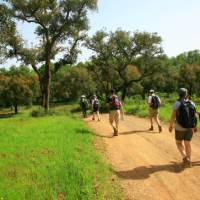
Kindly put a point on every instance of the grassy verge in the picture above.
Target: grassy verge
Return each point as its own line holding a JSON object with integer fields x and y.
{"x": 139, "y": 107}
{"x": 46, "y": 157}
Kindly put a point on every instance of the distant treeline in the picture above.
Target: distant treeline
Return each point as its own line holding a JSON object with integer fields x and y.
{"x": 20, "y": 85}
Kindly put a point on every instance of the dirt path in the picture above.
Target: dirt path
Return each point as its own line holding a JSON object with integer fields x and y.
{"x": 148, "y": 163}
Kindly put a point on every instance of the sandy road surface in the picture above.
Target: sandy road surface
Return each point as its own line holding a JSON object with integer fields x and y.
{"x": 148, "y": 163}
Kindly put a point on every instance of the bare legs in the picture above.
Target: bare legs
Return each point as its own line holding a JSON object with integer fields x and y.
{"x": 98, "y": 116}
{"x": 185, "y": 150}
{"x": 156, "y": 118}
{"x": 114, "y": 120}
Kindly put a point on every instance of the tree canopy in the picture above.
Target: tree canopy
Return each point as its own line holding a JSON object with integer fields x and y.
{"x": 125, "y": 57}
{"x": 60, "y": 25}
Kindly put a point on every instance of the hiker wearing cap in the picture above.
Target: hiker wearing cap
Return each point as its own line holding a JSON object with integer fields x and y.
{"x": 154, "y": 104}
{"x": 84, "y": 105}
{"x": 184, "y": 117}
{"x": 114, "y": 105}
{"x": 95, "y": 107}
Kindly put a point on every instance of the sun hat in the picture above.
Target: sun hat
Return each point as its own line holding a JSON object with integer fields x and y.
{"x": 151, "y": 91}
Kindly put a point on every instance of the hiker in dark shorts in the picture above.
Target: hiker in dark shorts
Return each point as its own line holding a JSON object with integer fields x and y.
{"x": 95, "y": 107}
{"x": 154, "y": 104}
{"x": 114, "y": 105}
{"x": 184, "y": 117}
{"x": 84, "y": 105}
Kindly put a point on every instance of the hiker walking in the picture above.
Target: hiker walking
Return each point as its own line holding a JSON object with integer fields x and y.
{"x": 84, "y": 105}
{"x": 184, "y": 117}
{"x": 114, "y": 114}
{"x": 154, "y": 104}
{"x": 95, "y": 107}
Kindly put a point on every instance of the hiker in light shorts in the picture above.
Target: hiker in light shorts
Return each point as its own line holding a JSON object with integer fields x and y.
{"x": 154, "y": 104}
{"x": 114, "y": 114}
{"x": 95, "y": 107}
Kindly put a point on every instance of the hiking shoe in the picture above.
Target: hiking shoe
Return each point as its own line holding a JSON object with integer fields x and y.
{"x": 160, "y": 129}
{"x": 187, "y": 162}
{"x": 151, "y": 129}
{"x": 115, "y": 132}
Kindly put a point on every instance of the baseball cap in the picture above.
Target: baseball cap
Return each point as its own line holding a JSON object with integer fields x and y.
{"x": 183, "y": 92}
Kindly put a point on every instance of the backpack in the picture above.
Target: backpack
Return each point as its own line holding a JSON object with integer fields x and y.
{"x": 186, "y": 115}
{"x": 96, "y": 104}
{"x": 115, "y": 103}
{"x": 84, "y": 103}
{"x": 155, "y": 103}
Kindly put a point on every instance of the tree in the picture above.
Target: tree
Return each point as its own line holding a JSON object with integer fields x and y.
{"x": 74, "y": 83}
{"x": 4, "y": 80}
{"x": 60, "y": 25}
{"x": 190, "y": 57}
{"x": 16, "y": 91}
{"x": 134, "y": 57}
{"x": 189, "y": 77}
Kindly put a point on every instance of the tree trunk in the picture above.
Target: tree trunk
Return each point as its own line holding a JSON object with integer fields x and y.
{"x": 143, "y": 95}
{"x": 47, "y": 83}
{"x": 42, "y": 91}
{"x": 16, "y": 109}
{"x": 124, "y": 93}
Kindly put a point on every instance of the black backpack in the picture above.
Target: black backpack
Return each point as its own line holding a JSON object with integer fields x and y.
{"x": 186, "y": 115}
{"x": 96, "y": 104}
{"x": 84, "y": 103}
{"x": 155, "y": 103}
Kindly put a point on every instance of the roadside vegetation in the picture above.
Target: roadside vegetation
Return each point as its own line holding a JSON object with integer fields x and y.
{"x": 138, "y": 106}
{"x": 45, "y": 150}
{"x": 51, "y": 156}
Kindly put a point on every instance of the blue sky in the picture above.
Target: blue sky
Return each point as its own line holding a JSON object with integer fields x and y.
{"x": 176, "y": 21}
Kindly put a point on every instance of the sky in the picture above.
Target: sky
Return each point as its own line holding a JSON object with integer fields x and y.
{"x": 176, "y": 21}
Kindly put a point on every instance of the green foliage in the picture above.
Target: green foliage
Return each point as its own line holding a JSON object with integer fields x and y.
{"x": 137, "y": 106}
{"x": 44, "y": 157}
{"x": 42, "y": 113}
{"x": 16, "y": 91}
{"x": 19, "y": 86}
{"x": 60, "y": 25}
{"x": 190, "y": 57}
{"x": 122, "y": 58}
{"x": 71, "y": 84}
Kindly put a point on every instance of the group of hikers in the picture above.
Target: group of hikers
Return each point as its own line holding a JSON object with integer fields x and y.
{"x": 183, "y": 117}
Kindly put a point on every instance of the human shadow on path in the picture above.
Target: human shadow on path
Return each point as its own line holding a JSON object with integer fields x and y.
{"x": 123, "y": 133}
{"x": 105, "y": 136}
{"x": 144, "y": 172}
{"x": 136, "y": 131}
{"x": 86, "y": 131}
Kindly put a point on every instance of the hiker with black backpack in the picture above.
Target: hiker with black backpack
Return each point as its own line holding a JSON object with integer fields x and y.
{"x": 84, "y": 105}
{"x": 154, "y": 104}
{"x": 114, "y": 104}
{"x": 184, "y": 117}
{"x": 95, "y": 107}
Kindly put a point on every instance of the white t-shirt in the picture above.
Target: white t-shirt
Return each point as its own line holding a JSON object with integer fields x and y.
{"x": 150, "y": 98}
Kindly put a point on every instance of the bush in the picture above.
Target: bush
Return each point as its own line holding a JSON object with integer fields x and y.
{"x": 42, "y": 113}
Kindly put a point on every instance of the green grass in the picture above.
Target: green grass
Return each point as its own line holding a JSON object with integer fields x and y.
{"x": 139, "y": 107}
{"x": 46, "y": 156}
